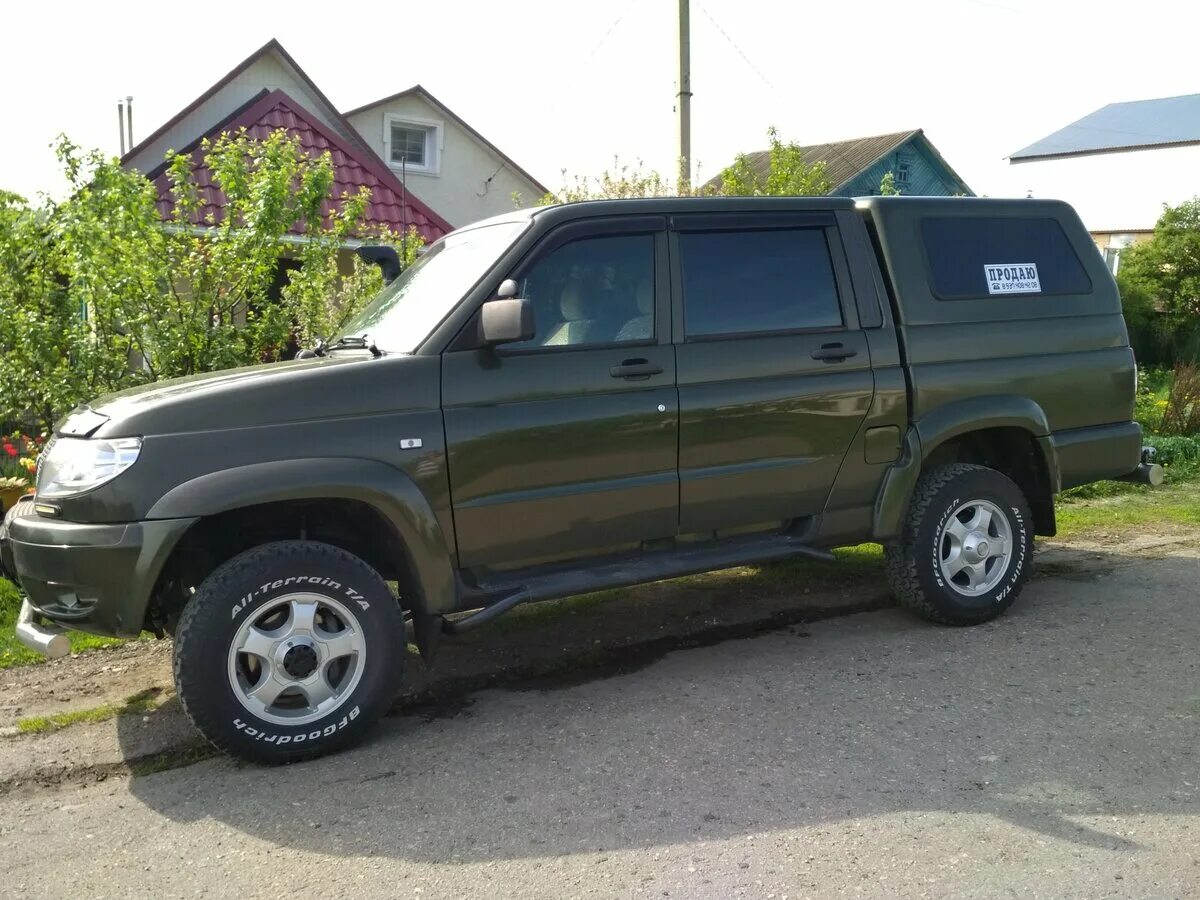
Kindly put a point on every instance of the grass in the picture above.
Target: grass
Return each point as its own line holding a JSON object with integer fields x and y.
{"x": 12, "y": 652}
{"x": 141, "y": 702}
{"x": 1178, "y": 503}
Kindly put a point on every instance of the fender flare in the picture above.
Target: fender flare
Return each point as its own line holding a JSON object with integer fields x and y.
{"x": 929, "y": 432}
{"x": 388, "y": 490}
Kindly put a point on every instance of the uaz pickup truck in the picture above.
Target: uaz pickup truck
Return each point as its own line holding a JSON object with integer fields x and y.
{"x": 579, "y": 397}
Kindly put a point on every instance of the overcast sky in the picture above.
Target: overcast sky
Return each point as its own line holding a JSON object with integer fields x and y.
{"x": 559, "y": 84}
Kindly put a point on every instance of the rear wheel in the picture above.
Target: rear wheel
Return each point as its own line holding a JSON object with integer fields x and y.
{"x": 289, "y": 651}
{"x": 966, "y": 548}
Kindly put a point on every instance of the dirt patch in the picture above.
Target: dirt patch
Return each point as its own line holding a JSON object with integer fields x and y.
{"x": 83, "y": 681}
{"x": 543, "y": 647}
{"x": 1163, "y": 539}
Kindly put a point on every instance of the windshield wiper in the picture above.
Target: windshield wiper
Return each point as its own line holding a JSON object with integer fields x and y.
{"x": 348, "y": 342}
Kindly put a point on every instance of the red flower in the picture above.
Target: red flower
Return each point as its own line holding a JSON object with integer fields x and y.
{"x": 10, "y": 449}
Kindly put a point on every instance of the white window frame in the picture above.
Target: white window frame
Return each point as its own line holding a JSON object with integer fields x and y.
{"x": 433, "y": 143}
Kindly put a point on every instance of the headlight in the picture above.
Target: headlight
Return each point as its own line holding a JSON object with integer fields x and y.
{"x": 71, "y": 466}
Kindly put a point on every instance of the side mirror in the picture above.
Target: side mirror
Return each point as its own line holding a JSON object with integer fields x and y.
{"x": 507, "y": 290}
{"x": 506, "y": 321}
{"x": 383, "y": 256}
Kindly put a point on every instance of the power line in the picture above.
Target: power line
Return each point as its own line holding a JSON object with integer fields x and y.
{"x": 611, "y": 29}
{"x": 745, "y": 58}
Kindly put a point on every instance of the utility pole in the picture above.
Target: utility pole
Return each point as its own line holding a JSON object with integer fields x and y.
{"x": 683, "y": 99}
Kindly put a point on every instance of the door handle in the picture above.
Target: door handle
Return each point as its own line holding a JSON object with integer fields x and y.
{"x": 635, "y": 368}
{"x": 834, "y": 352}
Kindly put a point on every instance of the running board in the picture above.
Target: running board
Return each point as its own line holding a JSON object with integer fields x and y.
{"x": 499, "y": 596}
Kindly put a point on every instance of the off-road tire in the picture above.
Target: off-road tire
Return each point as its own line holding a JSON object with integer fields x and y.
{"x": 248, "y": 585}
{"x": 913, "y": 567}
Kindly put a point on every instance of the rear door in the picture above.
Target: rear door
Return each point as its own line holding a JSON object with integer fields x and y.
{"x": 773, "y": 368}
{"x": 567, "y": 445}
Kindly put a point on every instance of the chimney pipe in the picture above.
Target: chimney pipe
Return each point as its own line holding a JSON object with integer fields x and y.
{"x": 121, "y": 124}
{"x": 129, "y": 114}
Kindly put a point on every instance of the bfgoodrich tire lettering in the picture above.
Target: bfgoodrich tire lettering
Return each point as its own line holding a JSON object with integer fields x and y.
{"x": 313, "y": 625}
{"x": 955, "y": 506}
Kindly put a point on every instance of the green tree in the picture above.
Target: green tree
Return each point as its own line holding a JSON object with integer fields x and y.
{"x": 621, "y": 182}
{"x": 101, "y": 291}
{"x": 1160, "y": 281}
{"x": 49, "y": 358}
{"x": 787, "y": 174}
{"x": 887, "y": 185}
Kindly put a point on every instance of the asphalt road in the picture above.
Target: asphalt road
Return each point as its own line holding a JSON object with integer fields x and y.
{"x": 1052, "y": 753}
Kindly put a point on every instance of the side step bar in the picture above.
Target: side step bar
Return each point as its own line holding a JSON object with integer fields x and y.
{"x": 48, "y": 640}
{"x": 498, "y": 598}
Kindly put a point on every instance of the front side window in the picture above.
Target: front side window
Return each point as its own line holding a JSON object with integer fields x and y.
{"x": 596, "y": 290}
{"x": 753, "y": 282}
{"x": 409, "y": 145}
{"x": 973, "y": 258}
{"x": 406, "y": 311}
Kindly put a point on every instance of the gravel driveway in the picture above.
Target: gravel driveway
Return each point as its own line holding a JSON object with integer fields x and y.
{"x": 1051, "y": 753}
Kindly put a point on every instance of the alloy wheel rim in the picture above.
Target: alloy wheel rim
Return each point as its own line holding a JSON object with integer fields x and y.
{"x": 974, "y": 546}
{"x": 297, "y": 659}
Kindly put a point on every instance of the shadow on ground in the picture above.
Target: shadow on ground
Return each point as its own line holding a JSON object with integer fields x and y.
{"x": 1082, "y": 702}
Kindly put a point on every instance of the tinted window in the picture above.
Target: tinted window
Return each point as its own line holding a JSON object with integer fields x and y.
{"x": 405, "y": 312}
{"x": 742, "y": 282}
{"x": 962, "y": 250}
{"x": 596, "y": 290}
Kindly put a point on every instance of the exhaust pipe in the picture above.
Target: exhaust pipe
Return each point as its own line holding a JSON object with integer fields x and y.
{"x": 48, "y": 640}
{"x": 1148, "y": 471}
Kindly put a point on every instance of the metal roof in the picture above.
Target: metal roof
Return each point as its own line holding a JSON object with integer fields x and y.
{"x": 1119, "y": 127}
{"x": 844, "y": 160}
{"x": 390, "y": 205}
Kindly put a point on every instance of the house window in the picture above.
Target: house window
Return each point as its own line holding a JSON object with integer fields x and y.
{"x": 902, "y": 166}
{"x": 412, "y": 146}
{"x": 408, "y": 145}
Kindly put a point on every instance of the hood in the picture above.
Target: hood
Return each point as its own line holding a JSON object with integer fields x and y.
{"x": 345, "y": 385}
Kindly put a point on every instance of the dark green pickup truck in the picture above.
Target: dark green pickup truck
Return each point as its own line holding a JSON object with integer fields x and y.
{"x": 580, "y": 397}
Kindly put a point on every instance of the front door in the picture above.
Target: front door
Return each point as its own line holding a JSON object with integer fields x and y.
{"x": 567, "y": 445}
{"x": 773, "y": 371}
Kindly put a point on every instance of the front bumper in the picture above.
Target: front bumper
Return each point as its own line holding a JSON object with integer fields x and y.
{"x": 95, "y": 578}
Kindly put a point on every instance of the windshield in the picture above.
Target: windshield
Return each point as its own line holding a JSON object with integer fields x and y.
{"x": 408, "y": 309}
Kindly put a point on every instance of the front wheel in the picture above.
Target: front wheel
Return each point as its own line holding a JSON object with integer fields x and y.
{"x": 966, "y": 548}
{"x": 289, "y": 651}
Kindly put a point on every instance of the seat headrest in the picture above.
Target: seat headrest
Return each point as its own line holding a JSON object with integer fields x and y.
{"x": 571, "y": 303}
{"x": 645, "y": 296}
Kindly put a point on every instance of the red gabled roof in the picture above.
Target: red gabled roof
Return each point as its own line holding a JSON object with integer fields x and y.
{"x": 391, "y": 205}
{"x": 271, "y": 46}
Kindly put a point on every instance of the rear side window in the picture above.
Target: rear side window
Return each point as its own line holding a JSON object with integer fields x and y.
{"x": 753, "y": 282}
{"x": 972, "y": 258}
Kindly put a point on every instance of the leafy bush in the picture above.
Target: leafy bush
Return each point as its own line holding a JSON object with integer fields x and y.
{"x": 98, "y": 293}
{"x": 1154, "y": 388}
{"x": 787, "y": 174}
{"x": 1176, "y": 452}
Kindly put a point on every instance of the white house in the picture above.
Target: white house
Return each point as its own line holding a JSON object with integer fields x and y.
{"x": 425, "y": 166}
{"x": 445, "y": 161}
